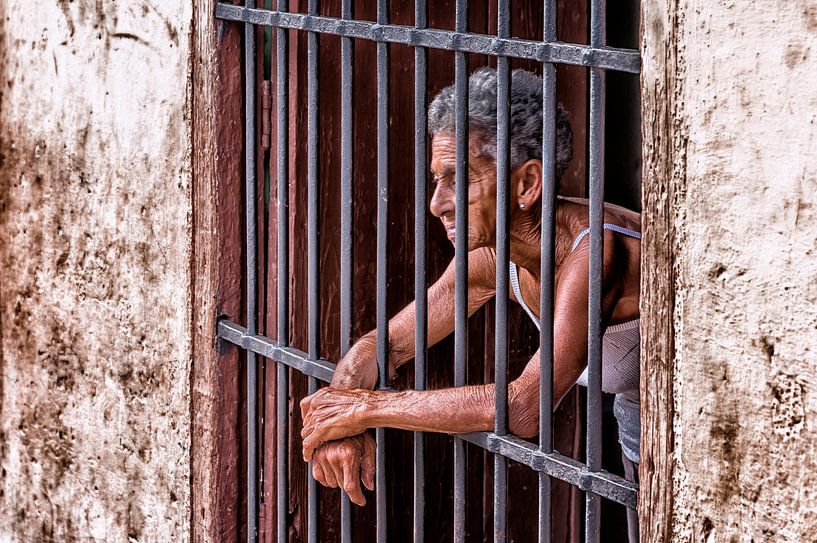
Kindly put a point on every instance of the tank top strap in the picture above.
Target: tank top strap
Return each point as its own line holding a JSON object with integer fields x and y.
{"x": 607, "y": 226}
{"x": 514, "y": 276}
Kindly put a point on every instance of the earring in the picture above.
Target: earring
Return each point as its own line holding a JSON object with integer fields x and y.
{"x": 521, "y": 206}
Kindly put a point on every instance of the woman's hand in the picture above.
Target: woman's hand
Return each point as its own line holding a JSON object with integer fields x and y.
{"x": 331, "y": 414}
{"x": 345, "y": 463}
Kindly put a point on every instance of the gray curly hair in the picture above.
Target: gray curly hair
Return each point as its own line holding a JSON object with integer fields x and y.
{"x": 526, "y": 117}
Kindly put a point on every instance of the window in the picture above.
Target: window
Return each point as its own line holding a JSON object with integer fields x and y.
{"x": 323, "y": 244}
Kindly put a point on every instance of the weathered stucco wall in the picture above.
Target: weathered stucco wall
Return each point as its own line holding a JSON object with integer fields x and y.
{"x": 742, "y": 190}
{"x": 95, "y": 270}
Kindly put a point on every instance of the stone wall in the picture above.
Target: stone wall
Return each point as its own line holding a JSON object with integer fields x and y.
{"x": 742, "y": 193}
{"x": 95, "y": 241}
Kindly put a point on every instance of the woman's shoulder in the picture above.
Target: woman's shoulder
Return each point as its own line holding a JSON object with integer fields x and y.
{"x": 482, "y": 263}
{"x": 581, "y": 205}
{"x": 573, "y": 219}
{"x": 573, "y": 245}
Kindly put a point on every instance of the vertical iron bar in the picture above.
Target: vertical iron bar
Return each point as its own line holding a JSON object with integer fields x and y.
{"x": 503, "y": 170}
{"x": 420, "y": 292}
{"x": 346, "y": 226}
{"x": 282, "y": 377}
{"x": 547, "y": 270}
{"x": 313, "y": 246}
{"x": 252, "y": 369}
{"x": 382, "y": 317}
{"x": 461, "y": 260}
{"x": 597, "y": 83}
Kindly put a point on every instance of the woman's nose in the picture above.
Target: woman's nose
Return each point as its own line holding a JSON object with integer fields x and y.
{"x": 441, "y": 203}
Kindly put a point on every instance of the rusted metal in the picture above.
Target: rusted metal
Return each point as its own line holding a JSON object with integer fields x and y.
{"x": 609, "y": 58}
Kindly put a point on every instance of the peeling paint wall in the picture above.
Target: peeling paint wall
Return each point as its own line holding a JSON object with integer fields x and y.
{"x": 746, "y": 292}
{"x": 95, "y": 270}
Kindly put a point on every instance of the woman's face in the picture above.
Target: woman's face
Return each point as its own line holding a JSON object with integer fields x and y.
{"x": 481, "y": 191}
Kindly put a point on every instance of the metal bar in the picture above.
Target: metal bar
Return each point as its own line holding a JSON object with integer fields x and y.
{"x": 547, "y": 269}
{"x": 264, "y": 469}
{"x": 268, "y": 348}
{"x": 546, "y": 299}
{"x": 503, "y": 170}
{"x": 610, "y": 486}
{"x": 420, "y": 277}
{"x": 626, "y": 60}
{"x": 594, "y": 324}
{"x": 282, "y": 374}
{"x": 251, "y": 241}
{"x": 461, "y": 259}
{"x": 346, "y": 224}
{"x": 282, "y": 446}
{"x": 382, "y": 316}
{"x": 313, "y": 247}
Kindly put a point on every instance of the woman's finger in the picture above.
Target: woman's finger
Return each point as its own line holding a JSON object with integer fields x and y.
{"x": 309, "y": 449}
{"x": 368, "y": 462}
{"x": 351, "y": 479}
{"x": 307, "y": 429}
{"x": 313, "y": 439}
{"x": 320, "y": 475}
{"x": 305, "y": 404}
{"x": 337, "y": 471}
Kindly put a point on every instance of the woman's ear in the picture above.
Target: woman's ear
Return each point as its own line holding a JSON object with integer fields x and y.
{"x": 527, "y": 179}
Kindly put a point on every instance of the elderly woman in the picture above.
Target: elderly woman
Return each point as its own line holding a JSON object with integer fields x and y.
{"x": 336, "y": 418}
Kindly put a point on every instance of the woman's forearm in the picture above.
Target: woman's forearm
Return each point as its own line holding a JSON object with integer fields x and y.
{"x": 453, "y": 410}
{"x": 358, "y": 369}
{"x": 331, "y": 413}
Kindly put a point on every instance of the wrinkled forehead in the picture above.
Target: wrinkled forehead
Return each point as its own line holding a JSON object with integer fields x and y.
{"x": 444, "y": 154}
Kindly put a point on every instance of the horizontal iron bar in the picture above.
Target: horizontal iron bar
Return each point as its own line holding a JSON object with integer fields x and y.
{"x": 610, "y": 58}
{"x": 605, "y": 484}
{"x": 266, "y": 347}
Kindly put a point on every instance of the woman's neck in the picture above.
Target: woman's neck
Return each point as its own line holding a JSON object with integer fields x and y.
{"x": 526, "y": 239}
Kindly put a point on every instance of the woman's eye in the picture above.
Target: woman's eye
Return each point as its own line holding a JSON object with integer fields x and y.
{"x": 439, "y": 180}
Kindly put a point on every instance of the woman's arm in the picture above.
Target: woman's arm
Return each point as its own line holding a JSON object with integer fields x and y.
{"x": 330, "y": 414}
{"x": 345, "y": 462}
{"x": 358, "y": 369}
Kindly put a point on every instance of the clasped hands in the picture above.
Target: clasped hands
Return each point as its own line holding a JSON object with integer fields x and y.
{"x": 334, "y": 439}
